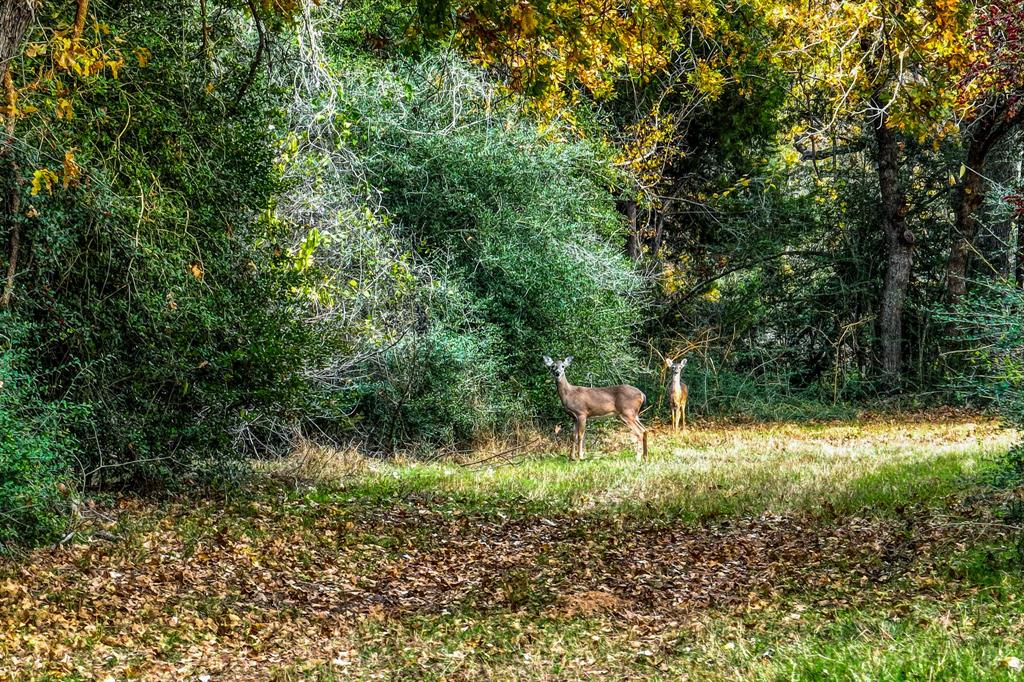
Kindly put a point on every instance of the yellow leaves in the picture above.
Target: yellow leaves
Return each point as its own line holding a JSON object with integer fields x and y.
{"x": 114, "y": 65}
{"x": 790, "y": 156}
{"x": 67, "y": 53}
{"x": 143, "y": 56}
{"x": 676, "y": 277}
{"x": 903, "y": 54}
{"x": 10, "y": 108}
{"x": 196, "y": 270}
{"x": 524, "y": 16}
{"x": 707, "y": 81}
{"x": 72, "y": 171}
{"x": 70, "y": 53}
{"x": 648, "y": 147}
{"x": 65, "y": 111}
{"x": 44, "y": 178}
{"x": 548, "y": 51}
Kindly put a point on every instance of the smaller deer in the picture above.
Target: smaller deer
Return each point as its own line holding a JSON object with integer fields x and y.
{"x": 677, "y": 392}
{"x": 582, "y": 402}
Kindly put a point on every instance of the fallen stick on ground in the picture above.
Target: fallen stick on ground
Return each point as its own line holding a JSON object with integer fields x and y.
{"x": 503, "y": 454}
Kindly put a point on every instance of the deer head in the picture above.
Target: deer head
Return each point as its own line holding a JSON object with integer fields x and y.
{"x": 675, "y": 367}
{"x": 557, "y": 368}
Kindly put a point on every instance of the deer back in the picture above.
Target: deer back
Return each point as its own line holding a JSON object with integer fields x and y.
{"x": 601, "y": 400}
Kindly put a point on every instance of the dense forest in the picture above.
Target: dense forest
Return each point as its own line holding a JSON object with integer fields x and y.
{"x": 231, "y": 225}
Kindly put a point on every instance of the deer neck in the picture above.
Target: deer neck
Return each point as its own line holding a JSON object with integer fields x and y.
{"x": 564, "y": 388}
{"x": 676, "y": 383}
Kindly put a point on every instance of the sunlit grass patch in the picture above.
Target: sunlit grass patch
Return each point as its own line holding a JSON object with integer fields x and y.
{"x": 708, "y": 472}
{"x": 313, "y": 462}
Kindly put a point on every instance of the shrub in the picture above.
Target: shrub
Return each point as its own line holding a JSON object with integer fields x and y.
{"x": 991, "y": 331}
{"x": 521, "y": 222}
{"x": 157, "y": 302}
{"x": 34, "y": 452}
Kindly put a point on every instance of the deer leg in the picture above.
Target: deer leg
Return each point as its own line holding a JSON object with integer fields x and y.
{"x": 575, "y": 440}
{"x": 675, "y": 417}
{"x": 633, "y": 422}
{"x": 643, "y": 438}
{"x": 582, "y": 426}
{"x": 682, "y": 412}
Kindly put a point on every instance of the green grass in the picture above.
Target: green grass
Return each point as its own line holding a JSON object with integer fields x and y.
{"x": 919, "y": 640}
{"x": 851, "y": 551}
{"x": 726, "y": 471}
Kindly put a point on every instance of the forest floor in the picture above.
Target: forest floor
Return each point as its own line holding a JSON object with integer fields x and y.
{"x": 877, "y": 549}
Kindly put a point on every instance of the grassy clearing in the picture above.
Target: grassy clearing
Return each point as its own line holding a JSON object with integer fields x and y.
{"x": 835, "y": 468}
{"x": 839, "y": 551}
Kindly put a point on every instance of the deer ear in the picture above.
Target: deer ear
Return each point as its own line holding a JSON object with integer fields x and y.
{"x": 568, "y": 361}
{"x": 548, "y": 361}
{"x": 668, "y": 362}
{"x": 682, "y": 363}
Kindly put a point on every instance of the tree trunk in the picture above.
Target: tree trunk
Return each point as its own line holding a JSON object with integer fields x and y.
{"x": 899, "y": 249}
{"x": 15, "y": 17}
{"x": 984, "y": 134}
{"x": 14, "y": 239}
{"x": 969, "y": 198}
{"x": 633, "y": 237}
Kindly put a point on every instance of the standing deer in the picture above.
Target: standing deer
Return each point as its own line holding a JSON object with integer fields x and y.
{"x": 582, "y": 402}
{"x": 677, "y": 393}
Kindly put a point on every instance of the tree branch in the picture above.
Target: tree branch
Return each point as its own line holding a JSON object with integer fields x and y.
{"x": 260, "y": 49}
{"x": 822, "y": 154}
{"x": 81, "y": 12}
{"x": 705, "y": 283}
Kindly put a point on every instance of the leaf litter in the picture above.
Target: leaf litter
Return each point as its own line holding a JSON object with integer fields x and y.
{"x": 278, "y": 582}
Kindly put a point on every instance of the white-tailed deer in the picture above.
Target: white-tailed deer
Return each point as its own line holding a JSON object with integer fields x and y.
{"x": 677, "y": 392}
{"x": 582, "y": 402}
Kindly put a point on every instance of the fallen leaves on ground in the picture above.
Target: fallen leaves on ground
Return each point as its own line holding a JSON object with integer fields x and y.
{"x": 287, "y": 585}
{"x": 271, "y": 584}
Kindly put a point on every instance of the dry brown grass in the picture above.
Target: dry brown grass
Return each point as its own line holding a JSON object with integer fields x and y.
{"x": 314, "y": 463}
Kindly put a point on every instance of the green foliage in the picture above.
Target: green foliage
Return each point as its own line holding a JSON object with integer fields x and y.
{"x": 778, "y": 280}
{"x": 991, "y": 326}
{"x": 33, "y": 453}
{"x": 195, "y": 287}
{"x": 441, "y": 387}
{"x": 520, "y": 223}
{"x": 155, "y": 301}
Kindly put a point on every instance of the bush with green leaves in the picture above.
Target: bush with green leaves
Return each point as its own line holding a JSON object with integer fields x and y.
{"x": 990, "y": 326}
{"x": 517, "y": 219}
{"x": 155, "y": 298}
{"x": 34, "y": 449}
